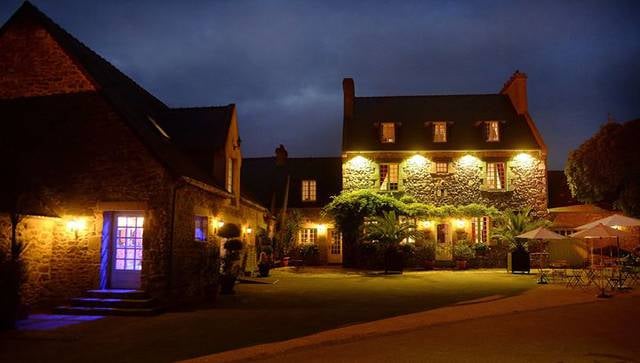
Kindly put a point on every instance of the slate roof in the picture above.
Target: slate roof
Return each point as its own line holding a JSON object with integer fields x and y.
{"x": 262, "y": 179}
{"x": 463, "y": 113}
{"x": 137, "y": 106}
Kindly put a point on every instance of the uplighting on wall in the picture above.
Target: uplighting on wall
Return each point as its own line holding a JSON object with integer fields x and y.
{"x": 468, "y": 161}
{"x": 523, "y": 159}
{"x": 76, "y": 226}
{"x": 322, "y": 228}
{"x": 417, "y": 161}
{"x": 358, "y": 162}
{"x": 460, "y": 223}
{"x": 426, "y": 224}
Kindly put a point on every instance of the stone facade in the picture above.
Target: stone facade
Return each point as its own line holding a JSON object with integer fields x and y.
{"x": 463, "y": 184}
{"x": 36, "y": 65}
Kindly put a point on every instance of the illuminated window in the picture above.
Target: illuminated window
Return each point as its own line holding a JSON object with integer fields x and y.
{"x": 389, "y": 176}
{"x": 129, "y": 243}
{"x": 492, "y": 131}
{"x": 308, "y": 235}
{"x": 388, "y": 133}
{"x": 201, "y": 224}
{"x": 439, "y": 132}
{"x": 308, "y": 190}
{"x": 229, "y": 183}
{"x": 496, "y": 178}
{"x": 336, "y": 242}
{"x": 442, "y": 167}
{"x": 480, "y": 229}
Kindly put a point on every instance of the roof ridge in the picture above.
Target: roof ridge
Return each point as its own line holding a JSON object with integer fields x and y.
{"x": 230, "y": 105}
{"x": 452, "y": 95}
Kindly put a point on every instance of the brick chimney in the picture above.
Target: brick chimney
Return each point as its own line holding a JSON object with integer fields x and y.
{"x": 516, "y": 89}
{"x": 281, "y": 155}
{"x": 349, "y": 91}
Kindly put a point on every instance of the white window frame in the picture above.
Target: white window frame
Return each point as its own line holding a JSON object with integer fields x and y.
{"x": 442, "y": 135}
{"x": 229, "y": 179}
{"x": 385, "y": 139}
{"x": 309, "y": 191}
{"x": 489, "y": 136}
{"x": 493, "y": 181}
{"x": 308, "y": 235}
{"x": 392, "y": 177}
{"x": 203, "y": 223}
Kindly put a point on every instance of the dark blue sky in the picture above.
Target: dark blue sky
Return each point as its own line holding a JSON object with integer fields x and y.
{"x": 282, "y": 62}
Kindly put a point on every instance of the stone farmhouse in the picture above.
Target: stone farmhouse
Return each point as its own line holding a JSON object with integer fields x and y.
{"x": 109, "y": 187}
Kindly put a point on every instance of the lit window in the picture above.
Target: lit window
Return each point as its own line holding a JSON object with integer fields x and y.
{"x": 388, "y": 133}
{"x": 308, "y": 190}
{"x": 230, "y": 175}
{"x": 201, "y": 224}
{"x": 480, "y": 229}
{"x": 389, "y": 176}
{"x": 128, "y": 249}
{"x": 439, "y": 132}
{"x": 442, "y": 167}
{"x": 336, "y": 242}
{"x": 496, "y": 178}
{"x": 492, "y": 131}
{"x": 308, "y": 235}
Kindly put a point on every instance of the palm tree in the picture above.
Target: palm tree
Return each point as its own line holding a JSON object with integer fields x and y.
{"x": 387, "y": 232}
{"x": 513, "y": 223}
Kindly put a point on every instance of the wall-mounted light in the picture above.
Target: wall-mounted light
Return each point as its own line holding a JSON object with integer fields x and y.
{"x": 426, "y": 224}
{"x": 322, "y": 228}
{"x": 468, "y": 161}
{"x": 76, "y": 226}
{"x": 417, "y": 161}
{"x": 217, "y": 224}
{"x": 248, "y": 230}
{"x": 524, "y": 160}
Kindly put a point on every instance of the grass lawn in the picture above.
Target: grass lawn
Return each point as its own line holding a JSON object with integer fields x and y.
{"x": 302, "y": 302}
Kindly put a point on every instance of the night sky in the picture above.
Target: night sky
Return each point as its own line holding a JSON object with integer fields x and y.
{"x": 282, "y": 62}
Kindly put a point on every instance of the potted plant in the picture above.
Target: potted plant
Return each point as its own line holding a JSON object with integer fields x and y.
{"x": 264, "y": 264}
{"x": 309, "y": 252}
{"x": 386, "y": 231}
{"x": 462, "y": 252}
{"x": 510, "y": 225}
{"x": 230, "y": 268}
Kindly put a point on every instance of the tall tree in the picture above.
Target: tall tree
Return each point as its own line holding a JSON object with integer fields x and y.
{"x": 605, "y": 168}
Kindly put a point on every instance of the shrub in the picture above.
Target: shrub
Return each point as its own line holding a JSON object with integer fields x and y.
{"x": 463, "y": 251}
{"x": 426, "y": 252}
{"x": 309, "y": 253}
{"x": 229, "y": 230}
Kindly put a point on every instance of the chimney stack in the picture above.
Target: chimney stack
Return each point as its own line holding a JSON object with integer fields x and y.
{"x": 349, "y": 91}
{"x": 281, "y": 155}
{"x": 516, "y": 89}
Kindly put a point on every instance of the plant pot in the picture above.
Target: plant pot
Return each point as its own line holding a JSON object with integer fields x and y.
{"x": 263, "y": 269}
{"x": 461, "y": 264}
{"x": 429, "y": 264}
{"x": 227, "y": 283}
{"x": 285, "y": 261}
{"x": 520, "y": 261}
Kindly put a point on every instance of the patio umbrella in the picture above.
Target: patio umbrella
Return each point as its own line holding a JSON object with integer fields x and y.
{"x": 541, "y": 233}
{"x": 600, "y": 231}
{"x": 613, "y": 220}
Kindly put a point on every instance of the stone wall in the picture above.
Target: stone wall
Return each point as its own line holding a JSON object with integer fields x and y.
{"x": 526, "y": 179}
{"x": 33, "y": 64}
{"x": 195, "y": 263}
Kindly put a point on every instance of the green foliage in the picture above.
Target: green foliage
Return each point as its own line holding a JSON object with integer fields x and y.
{"x": 513, "y": 223}
{"x": 426, "y": 252}
{"x": 288, "y": 233}
{"x": 605, "y": 168}
{"x": 229, "y": 230}
{"x": 386, "y": 231}
{"x": 232, "y": 255}
{"x": 463, "y": 251}
{"x": 309, "y": 253}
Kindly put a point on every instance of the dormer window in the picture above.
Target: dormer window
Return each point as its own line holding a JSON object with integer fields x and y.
{"x": 492, "y": 131}
{"x": 308, "y": 190}
{"x": 387, "y": 132}
{"x": 440, "y": 131}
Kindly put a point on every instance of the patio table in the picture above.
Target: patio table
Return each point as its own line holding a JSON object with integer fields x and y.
{"x": 541, "y": 259}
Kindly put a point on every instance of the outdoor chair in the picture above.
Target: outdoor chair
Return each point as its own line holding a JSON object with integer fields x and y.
{"x": 575, "y": 278}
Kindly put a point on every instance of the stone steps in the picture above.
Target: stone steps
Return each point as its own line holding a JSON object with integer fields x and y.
{"x": 112, "y": 302}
